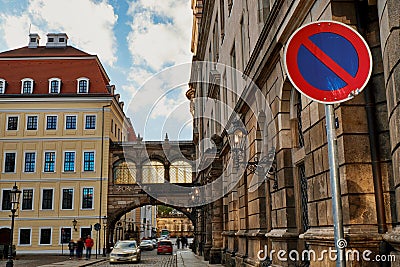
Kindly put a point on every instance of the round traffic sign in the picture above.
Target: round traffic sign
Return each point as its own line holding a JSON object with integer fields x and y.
{"x": 328, "y": 61}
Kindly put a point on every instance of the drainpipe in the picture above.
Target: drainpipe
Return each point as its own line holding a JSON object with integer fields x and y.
{"x": 361, "y": 14}
{"x": 101, "y": 172}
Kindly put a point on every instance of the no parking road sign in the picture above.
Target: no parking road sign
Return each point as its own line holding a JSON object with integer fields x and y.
{"x": 328, "y": 61}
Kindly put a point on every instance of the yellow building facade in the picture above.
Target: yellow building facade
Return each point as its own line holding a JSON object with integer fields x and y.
{"x": 54, "y": 144}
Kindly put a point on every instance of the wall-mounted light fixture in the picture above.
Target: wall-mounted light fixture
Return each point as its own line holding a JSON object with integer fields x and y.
{"x": 237, "y": 135}
{"x": 74, "y": 223}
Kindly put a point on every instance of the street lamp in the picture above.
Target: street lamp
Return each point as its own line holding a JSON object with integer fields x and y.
{"x": 14, "y": 201}
{"x": 104, "y": 232}
{"x": 237, "y": 135}
{"x": 74, "y": 222}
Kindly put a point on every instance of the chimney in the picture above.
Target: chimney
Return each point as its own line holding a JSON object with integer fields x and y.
{"x": 56, "y": 40}
{"x": 33, "y": 40}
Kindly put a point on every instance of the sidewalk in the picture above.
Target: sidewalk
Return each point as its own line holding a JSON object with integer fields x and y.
{"x": 74, "y": 263}
{"x": 186, "y": 258}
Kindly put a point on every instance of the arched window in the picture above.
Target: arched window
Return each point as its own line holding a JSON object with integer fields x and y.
{"x": 180, "y": 172}
{"x": 83, "y": 85}
{"x": 54, "y": 85}
{"x": 2, "y": 86}
{"x": 27, "y": 86}
{"x": 125, "y": 173}
{"x": 153, "y": 172}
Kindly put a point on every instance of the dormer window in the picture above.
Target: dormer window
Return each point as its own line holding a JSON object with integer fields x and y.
{"x": 2, "y": 86}
{"x": 27, "y": 86}
{"x": 54, "y": 85}
{"x": 83, "y": 85}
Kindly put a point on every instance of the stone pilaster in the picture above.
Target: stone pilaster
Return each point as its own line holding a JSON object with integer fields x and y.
{"x": 216, "y": 250}
{"x": 208, "y": 228}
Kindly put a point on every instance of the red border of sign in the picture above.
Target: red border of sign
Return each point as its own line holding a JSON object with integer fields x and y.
{"x": 335, "y": 96}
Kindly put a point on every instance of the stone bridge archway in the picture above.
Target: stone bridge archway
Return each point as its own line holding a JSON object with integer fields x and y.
{"x": 127, "y": 164}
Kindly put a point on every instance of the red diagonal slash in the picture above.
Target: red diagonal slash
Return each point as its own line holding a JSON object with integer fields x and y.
{"x": 329, "y": 62}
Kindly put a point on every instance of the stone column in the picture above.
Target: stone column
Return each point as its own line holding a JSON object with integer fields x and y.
{"x": 216, "y": 250}
{"x": 390, "y": 42}
{"x": 208, "y": 234}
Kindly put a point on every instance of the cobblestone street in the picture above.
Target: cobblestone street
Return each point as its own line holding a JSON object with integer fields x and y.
{"x": 149, "y": 258}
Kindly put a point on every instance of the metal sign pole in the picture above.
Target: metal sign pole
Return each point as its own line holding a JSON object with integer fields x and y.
{"x": 340, "y": 243}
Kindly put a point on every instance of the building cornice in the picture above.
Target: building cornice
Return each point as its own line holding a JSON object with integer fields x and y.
{"x": 204, "y": 28}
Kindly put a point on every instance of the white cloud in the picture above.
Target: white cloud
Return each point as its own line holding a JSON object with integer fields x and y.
{"x": 160, "y": 36}
{"x": 161, "y": 32}
{"x": 88, "y": 24}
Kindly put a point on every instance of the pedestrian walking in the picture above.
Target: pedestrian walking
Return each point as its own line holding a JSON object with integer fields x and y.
{"x": 88, "y": 244}
{"x": 178, "y": 242}
{"x": 79, "y": 248}
{"x": 71, "y": 247}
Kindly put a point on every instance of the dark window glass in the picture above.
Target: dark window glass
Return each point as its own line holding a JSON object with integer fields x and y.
{"x": 45, "y": 236}
{"x": 31, "y": 123}
{"x": 299, "y": 121}
{"x": 27, "y": 87}
{"x": 90, "y": 122}
{"x": 30, "y": 162}
{"x": 69, "y": 162}
{"x": 65, "y": 235}
{"x": 85, "y": 232}
{"x": 70, "y": 122}
{"x": 88, "y": 164}
{"x": 61, "y": 40}
{"x": 68, "y": 195}
{"x": 87, "y": 199}
{"x": 51, "y": 123}
{"x": 24, "y": 236}
{"x": 49, "y": 160}
{"x": 9, "y": 162}
{"x": 27, "y": 199}
{"x": 12, "y": 124}
{"x": 54, "y": 87}
{"x": 83, "y": 86}
{"x": 47, "y": 201}
{"x": 6, "y": 203}
{"x": 50, "y": 40}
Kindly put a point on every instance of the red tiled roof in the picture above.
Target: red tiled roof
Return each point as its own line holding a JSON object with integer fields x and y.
{"x": 41, "y": 70}
{"x": 42, "y": 51}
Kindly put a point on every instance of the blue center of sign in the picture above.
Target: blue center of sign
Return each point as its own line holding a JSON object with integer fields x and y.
{"x": 338, "y": 49}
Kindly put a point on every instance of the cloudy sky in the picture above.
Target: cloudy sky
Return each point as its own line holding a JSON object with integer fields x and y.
{"x": 135, "y": 40}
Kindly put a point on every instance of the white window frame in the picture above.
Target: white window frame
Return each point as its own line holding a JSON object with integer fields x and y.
{"x": 60, "y": 233}
{"x": 87, "y": 83}
{"x": 95, "y": 125}
{"x": 65, "y": 121}
{"x": 19, "y": 237}
{"x": 33, "y": 198}
{"x": 51, "y": 235}
{"x": 51, "y": 115}
{"x": 44, "y": 160}
{"x": 34, "y": 168}
{"x": 41, "y": 199}
{"x": 26, "y": 121}
{"x": 27, "y": 80}
{"x": 93, "y": 200}
{"x": 1, "y": 202}
{"x": 12, "y": 115}
{"x": 63, "y": 162}
{"x": 59, "y": 85}
{"x": 4, "y": 161}
{"x": 83, "y": 160}
{"x": 62, "y": 198}
{"x": 4, "y": 86}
